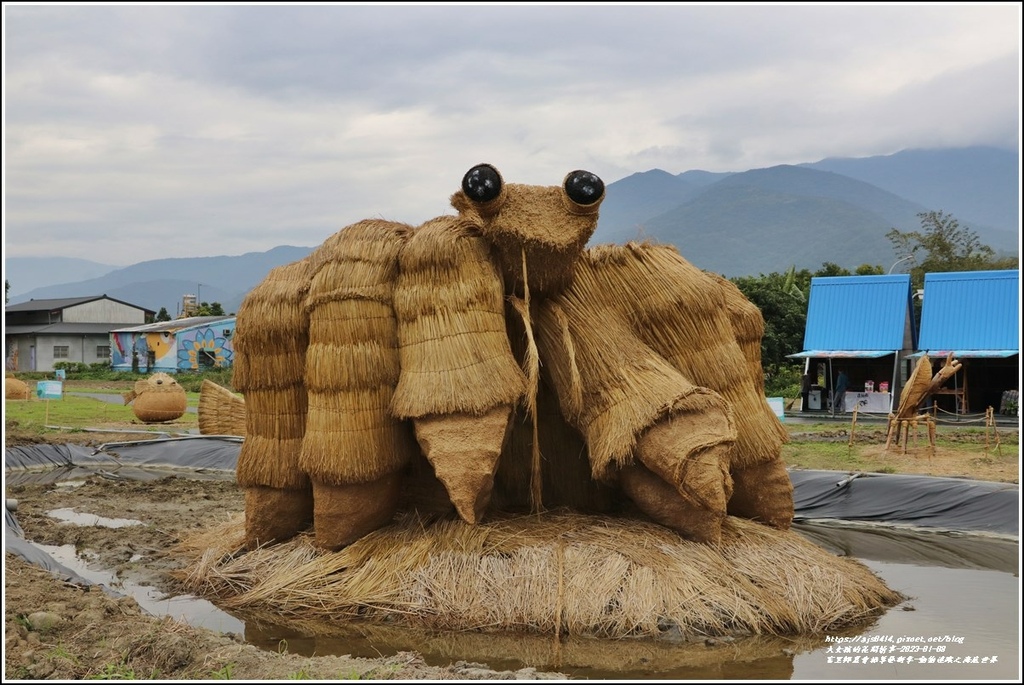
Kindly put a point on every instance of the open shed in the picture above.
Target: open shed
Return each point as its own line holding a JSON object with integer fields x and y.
{"x": 976, "y": 316}
{"x": 862, "y": 326}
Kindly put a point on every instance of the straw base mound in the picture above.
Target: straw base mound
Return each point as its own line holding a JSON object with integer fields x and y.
{"x": 559, "y": 574}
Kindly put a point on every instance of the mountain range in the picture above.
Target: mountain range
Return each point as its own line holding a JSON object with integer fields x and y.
{"x": 747, "y": 223}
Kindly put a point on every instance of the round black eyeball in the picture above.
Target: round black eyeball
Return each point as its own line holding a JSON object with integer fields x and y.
{"x": 583, "y": 187}
{"x": 482, "y": 183}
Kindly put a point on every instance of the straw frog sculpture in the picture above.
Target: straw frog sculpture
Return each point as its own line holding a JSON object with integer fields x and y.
{"x": 488, "y": 362}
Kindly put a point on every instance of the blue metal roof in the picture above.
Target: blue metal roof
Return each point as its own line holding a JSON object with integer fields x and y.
{"x": 859, "y": 313}
{"x": 971, "y": 310}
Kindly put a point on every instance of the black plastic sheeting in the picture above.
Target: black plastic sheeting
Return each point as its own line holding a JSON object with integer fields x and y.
{"x": 922, "y": 502}
{"x": 952, "y": 504}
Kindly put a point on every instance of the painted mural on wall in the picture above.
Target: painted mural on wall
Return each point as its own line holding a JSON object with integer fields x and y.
{"x": 190, "y": 349}
{"x": 202, "y": 348}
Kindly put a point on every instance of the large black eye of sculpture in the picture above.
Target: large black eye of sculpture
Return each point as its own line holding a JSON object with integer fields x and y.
{"x": 583, "y": 187}
{"x": 482, "y": 183}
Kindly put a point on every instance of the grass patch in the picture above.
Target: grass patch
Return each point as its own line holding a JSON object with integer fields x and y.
{"x": 74, "y": 412}
{"x": 111, "y": 671}
{"x": 224, "y": 673}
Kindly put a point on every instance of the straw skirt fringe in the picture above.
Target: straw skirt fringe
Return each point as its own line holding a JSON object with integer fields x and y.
{"x": 558, "y": 573}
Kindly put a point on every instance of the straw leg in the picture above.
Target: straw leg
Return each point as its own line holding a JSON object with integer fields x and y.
{"x": 665, "y": 505}
{"x": 275, "y": 514}
{"x": 692, "y": 459}
{"x": 464, "y": 451}
{"x": 344, "y": 513}
{"x": 889, "y": 431}
{"x": 763, "y": 493}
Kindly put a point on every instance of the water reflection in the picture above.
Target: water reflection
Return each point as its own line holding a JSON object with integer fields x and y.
{"x": 82, "y": 519}
{"x": 760, "y": 657}
{"x": 186, "y": 608}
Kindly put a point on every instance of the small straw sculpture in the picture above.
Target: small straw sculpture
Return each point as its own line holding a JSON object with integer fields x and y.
{"x": 157, "y": 399}
{"x": 220, "y": 411}
{"x": 15, "y": 389}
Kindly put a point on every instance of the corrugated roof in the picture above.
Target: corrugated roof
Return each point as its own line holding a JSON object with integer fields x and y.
{"x": 52, "y": 304}
{"x": 858, "y": 312}
{"x": 971, "y": 310}
{"x": 49, "y": 305}
{"x": 174, "y": 325}
{"x": 60, "y": 329}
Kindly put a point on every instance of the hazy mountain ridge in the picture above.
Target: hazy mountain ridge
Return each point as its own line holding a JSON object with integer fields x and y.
{"x": 982, "y": 183}
{"x": 736, "y": 224}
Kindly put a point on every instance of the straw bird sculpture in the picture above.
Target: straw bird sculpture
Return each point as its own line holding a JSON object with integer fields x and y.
{"x": 157, "y": 399}
{"x": 920, "y": 386}
{"x": 487, "y": 361}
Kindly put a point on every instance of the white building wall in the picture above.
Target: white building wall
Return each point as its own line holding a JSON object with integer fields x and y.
{"x": 104, "y": 311}
{"x": 81, "y": 350}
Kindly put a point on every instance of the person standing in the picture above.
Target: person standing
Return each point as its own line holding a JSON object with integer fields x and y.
{"x": 839, "y": 399}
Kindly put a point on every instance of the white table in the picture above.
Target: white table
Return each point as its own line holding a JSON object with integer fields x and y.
{"x": 870, "y": 402}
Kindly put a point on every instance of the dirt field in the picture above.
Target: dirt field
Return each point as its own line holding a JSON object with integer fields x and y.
{"x": 57, "y": 630}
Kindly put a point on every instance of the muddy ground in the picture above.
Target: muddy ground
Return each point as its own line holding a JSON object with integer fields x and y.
{"x": 62, "y": 631}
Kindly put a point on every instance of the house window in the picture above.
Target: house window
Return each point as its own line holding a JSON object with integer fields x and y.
{"x": 61, "y": 351}
{"x": 103, "y": 351}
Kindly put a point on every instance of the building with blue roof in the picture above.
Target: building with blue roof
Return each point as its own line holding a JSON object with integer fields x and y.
{"x": 975, "y": 316}
{"x": 863, "y": 326}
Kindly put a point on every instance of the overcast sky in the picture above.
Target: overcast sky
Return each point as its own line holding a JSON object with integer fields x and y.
{"x": 149, "y": 131}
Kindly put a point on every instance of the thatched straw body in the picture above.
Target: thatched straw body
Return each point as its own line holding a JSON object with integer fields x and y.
{"x": 271, "y": 335}
{"x": 352, "y": 362}
{"x": 455, "y": 354}
{"x": 220, "y": 411}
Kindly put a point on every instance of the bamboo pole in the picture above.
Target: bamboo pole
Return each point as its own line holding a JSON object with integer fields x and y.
{"x": 853, "y": 427}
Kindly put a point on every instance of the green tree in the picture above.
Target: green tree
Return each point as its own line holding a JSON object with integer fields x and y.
{"x": 783, "y": 303}
{"x": 944, "y": 245}
{"x": 869, "y": 270}
{"x": 7, "y": 289}
{"x": 162, "y": 315}
{"x": 210, "y": 309}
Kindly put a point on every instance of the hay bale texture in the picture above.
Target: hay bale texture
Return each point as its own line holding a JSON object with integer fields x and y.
{"x": 15, "y": 389}
{"x": 220, "y": 411}
{"x": 157, "y": 399}
{"x": 559, "y": 573}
